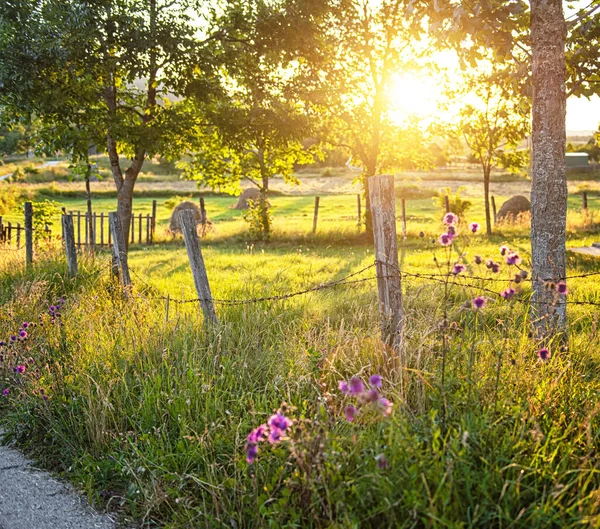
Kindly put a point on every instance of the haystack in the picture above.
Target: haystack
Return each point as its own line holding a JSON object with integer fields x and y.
{"x": 250, "y": 193}
{"x": 513, "y": 207}
{"x": 175, "y": 222}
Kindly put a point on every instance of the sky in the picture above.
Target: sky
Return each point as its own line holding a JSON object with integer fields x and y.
{"x": 583, "y": 114}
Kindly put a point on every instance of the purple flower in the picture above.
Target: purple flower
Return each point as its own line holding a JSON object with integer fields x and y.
{"x": 450, "y": 218}
{"x": 251, "y": 452}
{"x": 458, "y": 268}
{"x": 5, "y": 392}
{"x": 513, "y": 259}
{"x": 474, "y": 227}
{"x": 495, "y": 268}
{"x": 479, "y": 302}
{"x": 504, "y": 250}
{"x": 445, "y": 239}
{"x": 274, "y": 435}
{"x": 489, "y": 263}
{"x": 23, "y": 334}
{"x": 350, "y": 413}
{"x": 279, "y": 422}
{"x": 561, "y": 287}
{"x": 451, "y": 231}
{"x": 478, "y": 259}
{"x": 508, "y": 293}
{"x": 13, "y": 338}
{"x": 385, "y": 405}
{"x": 382, "y": 461}
{"x": 371, "y": 395}
{"x": 256, "y": 435}
{"x": 343, "y": 385}
{"x": 20, "y": 369}
{"x": 25, "y": 325}
{"x": 356, "y": 386}
{"x": 544, "y": 353}
{"x": 375, "y": 381}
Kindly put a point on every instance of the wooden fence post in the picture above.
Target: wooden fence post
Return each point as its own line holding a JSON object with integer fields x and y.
{"x": 203, "y": 217}
{"x": 132, "y": 228}
{"x": 494, "y": 209}
{"x": 1, "y": 229}
{"x": 18, "y": 234}
{"x": 9, "y": 230}
{"x": 79, "y": 228}
{"x": 404, "y": 219}
{"x": 316, "y": 214}
{"x": 381, "y": 189}
{"x": 140, "y": 228}
{"x": 359, "y": 213}
{"x": 102, "y": 229}
{"x": 148, "y": 228}
{"x": 192, "y": 244}
{"x": 153, "y": 229}
{"x": 119, "y": 247}
{"x": 69, "y": 237}
{"x": 447, "y": 203}
{"x": 28, "y": 234}
{"x": 584, "y": 201}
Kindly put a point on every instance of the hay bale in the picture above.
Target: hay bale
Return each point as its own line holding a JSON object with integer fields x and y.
{"x": 513, "y": 208}
{"x": 175, "y": 222}
{"x": 250, "y": 193}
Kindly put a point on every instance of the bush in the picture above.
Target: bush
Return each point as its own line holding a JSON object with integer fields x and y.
{"x": 458, "y": 205}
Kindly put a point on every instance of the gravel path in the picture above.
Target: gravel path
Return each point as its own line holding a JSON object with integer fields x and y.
{"x": 32, "y": 499}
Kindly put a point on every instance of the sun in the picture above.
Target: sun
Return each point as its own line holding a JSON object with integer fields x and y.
{"x": 413, "y": 96}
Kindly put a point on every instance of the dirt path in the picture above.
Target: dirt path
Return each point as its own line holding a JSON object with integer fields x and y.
{"x": 32, "y": 499}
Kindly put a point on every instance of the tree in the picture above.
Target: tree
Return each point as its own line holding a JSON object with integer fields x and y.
{"x": 549, "y": 181}
{"x": 105, "y": 72}
{"x": 367, "y": 42}
{"x": 493, "y": 124}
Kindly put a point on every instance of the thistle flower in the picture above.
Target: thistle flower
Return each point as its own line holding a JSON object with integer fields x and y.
{"x": 356, "y": 386}
{"x": 20, "y": 369}
{"x": 256, "y": 435}
{"x": 375, "y": 381}
{"x": 5, "y": 392}
{"x": 279, "y": 422}
{"x": 450, "y": 218}
{"x": 25, "y": 325}
{"x": 343, "y": 386}
{"x": 458, "y": 268}
{"x": 495, "y": 268}
{"x": 350, "y": 413}
{"x": 561, "y": 287}
{"x": 474, "y": 227}
{"x": 451, "y": 230}
{"x": 479, "y": 302}
{"x": 513, "y": 259}
{"x": 508, "y": 293}
{"x": 385, "y": 405}
{"x": 544, "y": 353}
{"x": 504, "y": 250}
{"x": 251, "y": 452}
{"x": 478, "y": 259}
{"x": 445, "y": 239}
{"x": 371, "y": 395}
{"x": 22, "y": 334}
{"x": 382, "y": 461}
{"x": 489, "y": 263}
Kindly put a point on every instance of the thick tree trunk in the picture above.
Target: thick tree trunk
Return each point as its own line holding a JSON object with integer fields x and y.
{"x": 486, "y": 195}
{"x": 549, "y": 184}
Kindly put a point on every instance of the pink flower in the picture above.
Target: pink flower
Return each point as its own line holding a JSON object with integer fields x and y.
{"x": 372, "y": 395}
{"x": 561, "y": 287}
{"x": 385, "y": 405}
{"x": 479, "y": 302}
{"x": 478, "y": 259}
{"x": 504, "y": 250}
{"x": 513, "y": 259}
{"x": 544, "y": 353}
{"x": 474, "y": 227}
{"x": 508, "y": 293}
{"x": 20, "y": 369}
{"x": 251, "y": 452}
{"x": 350, "y": 413}
{"x": 450, "y": 218}
{"x": 458, "y": 268}
{"x": 258, "y": 434}
{"x": 279, "y": 422}
{"x": 343, "y": 385}
{"x": 445, "y": 239}
{"x": 5, "y": 392}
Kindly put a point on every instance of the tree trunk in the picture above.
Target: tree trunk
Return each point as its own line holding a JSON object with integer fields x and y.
{"x": 486, "y": 195}
{"x": 549, "y": 184}
{"x": 264, "y": 206}
{"x": 88, "y": 192}
{"x": 125, "y": 209}
{"x": 370, "y": 170}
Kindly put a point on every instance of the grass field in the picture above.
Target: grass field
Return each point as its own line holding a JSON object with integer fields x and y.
{"x": 147, "y": 410}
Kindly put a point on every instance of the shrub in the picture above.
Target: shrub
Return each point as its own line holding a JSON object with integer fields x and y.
{"x": 458, "y": 205}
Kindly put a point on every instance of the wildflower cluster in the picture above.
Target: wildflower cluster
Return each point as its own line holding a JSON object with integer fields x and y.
{"x": 274, "y": 431}
{"x": 364, "y": 396}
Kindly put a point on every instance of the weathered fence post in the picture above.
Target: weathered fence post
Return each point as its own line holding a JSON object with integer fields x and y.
{"x": 28, "y": 234}
{"x": 132, "y": 229}
{"x": 203, "y": 217}
{"x": 18, "y": 234}
{"x": 192, "y": 244}
{"x": 404, "y": 219}
{"x": 316, "y": 214}
{"x": 447, "y": 203}
{"x": 140, "y": 229}
{"x": 69, "y": 238}
{"x": 102, "y": 229}
{"x": 494, "y": 209}
{"x": 153, "y": 220}
{"x": 584, "y": 201}
{"x": 359, "y": 214}
{"x": 148, "y": 228}
{"x": 119, "y": 247}
{"x": 79, "y": 228}
{"x": 1, "y": 229}
{"x": 381, "y": 189}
